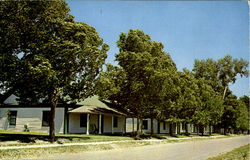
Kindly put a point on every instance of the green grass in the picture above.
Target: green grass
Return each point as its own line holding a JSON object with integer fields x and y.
{"x": 17, "y": 138}
{"x": 241, "y": 153}
{"x": 66, "y": 150}
{"x": 20, "y": 138}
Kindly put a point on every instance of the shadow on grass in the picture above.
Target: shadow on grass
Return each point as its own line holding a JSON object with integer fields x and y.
{"x": 32, "y": 138}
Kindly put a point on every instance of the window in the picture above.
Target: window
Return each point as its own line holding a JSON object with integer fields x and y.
{"x": 46, "y": 118}
{"x": 115, "y": 124}
{"x": 83, "y": 120}
{"x": 145, "y": 124}
{"x": 12, "y": 117}
{"x": 164, "y": 125}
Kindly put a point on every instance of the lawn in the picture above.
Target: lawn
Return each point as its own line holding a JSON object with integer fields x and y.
{"x": 44, "y": 153}
{"x": 241, "y": 153}
{"x": 20, "y": 138}
{"x": 9, "y": 138}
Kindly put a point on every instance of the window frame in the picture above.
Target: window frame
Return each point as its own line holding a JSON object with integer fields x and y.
{"x": 145, "y": 121}
{"x": 12, "y": 118}
{"x": 83, "y": 120}
{"x": 46, "y": 118}
{"x": 115, "y": 121}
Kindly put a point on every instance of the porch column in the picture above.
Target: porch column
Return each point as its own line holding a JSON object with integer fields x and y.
{"x": 133, "y": 121}
{"x": 124, "y": 128}
{"x": 87, "y": 129}
{"x": 112, "y": 124}
{"x": 175, "y": 128}
{"x": 100, "y": 124}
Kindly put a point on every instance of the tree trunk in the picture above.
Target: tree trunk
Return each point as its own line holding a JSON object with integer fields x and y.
{"x": 170, "y": 129}
{"x": 178, "y": 128}
{"x": 225, "y": 130}
{"x": 152, "y": 126}
{"x": 198, "y": 129}
{"x": 54, "y": 100}
{"x": 52, "y": 123}
{"x": 202, "y": 130}
{"x": 186, "y": 129}
{"x": 224, "y": 93}
{"x": 138, "y": 133}
{"x": 210, "y": 129}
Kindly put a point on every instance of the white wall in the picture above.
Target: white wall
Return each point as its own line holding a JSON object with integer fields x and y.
{"x": 121, "y": 122}
{"x": 33, "y": 118}
{"x": 166, "y": 130}
{"x": 108, "y": 124}
{"x": 74, "y": 124}
{"x": 149, "y": 126}
{"x": 129, "y": 124}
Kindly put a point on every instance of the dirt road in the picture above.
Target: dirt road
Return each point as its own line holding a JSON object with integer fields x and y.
{"x": 191, "y": 150}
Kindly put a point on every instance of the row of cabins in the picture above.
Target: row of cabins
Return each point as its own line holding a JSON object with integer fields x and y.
{"x": 91, "y": 116}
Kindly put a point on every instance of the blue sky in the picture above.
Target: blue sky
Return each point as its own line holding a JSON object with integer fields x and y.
{"x": 189, "y": 30}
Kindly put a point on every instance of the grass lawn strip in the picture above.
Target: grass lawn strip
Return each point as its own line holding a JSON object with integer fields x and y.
{"x": 44, "y": 152}
{"x": 18, "y": 138}
{"x": 53, "y": 151}
{"x": 241, "y": 153}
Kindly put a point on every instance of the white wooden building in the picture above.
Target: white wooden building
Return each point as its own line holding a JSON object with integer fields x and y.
{"x": 88, "y": 116}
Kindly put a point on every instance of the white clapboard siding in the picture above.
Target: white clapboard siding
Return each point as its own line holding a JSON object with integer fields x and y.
{"x": 31, "y": 117}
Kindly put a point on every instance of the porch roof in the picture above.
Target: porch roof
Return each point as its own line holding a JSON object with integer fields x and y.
{"x": 97, "y": 110}
{"x": 93, "y": 105}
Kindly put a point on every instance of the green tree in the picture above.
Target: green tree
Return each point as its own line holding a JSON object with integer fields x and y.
{"x": 220, "y": 73}
{"x": 53, "y": 56}
{"x": 23, "y": 27}
{"x": 246, "y": 100}
{"x": 210, "y": 106}
{"x": 141, "y": 79}
{"x": 229, "y": 114}
{"x": 186, "y": 98}
{"x": 242, "y": 117}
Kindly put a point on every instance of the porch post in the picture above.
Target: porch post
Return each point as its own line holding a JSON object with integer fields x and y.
{"x": 133, "y": 121}
{"x": 112, "y": 124}
{"x": 87, "y": 129}
{"x": 176, "y": 132}
{"x": 100, "y": 124}
{"x": 124, "y": 128}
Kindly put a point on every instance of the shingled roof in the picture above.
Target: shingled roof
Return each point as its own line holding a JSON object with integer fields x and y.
{"x": 93, "y": 105}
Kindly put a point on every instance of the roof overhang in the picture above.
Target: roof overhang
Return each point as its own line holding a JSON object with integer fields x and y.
{"x": 96, "y": 110}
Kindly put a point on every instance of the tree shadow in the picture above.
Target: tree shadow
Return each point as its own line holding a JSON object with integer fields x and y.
{"x": 29, "y": 138}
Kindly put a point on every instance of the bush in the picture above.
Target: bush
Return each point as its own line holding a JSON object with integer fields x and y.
{"x": 26, "y": 128}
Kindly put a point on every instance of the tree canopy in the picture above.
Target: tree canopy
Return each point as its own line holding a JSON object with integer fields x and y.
{"x": 50, "y": 55}
{"x": 145, "y": 72}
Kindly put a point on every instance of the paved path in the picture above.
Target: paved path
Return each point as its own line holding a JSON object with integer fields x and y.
{"x": 191, "y": 150}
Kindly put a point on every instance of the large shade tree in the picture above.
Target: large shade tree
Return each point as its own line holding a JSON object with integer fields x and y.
{"x": 219, "y": 74}
{"x": 142, "y": 78}
{"x": 210, "y": 106}
{"x": 46, "y": 55}
{"x": 242, "y": 117}
{"x": 186, "y": 97}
